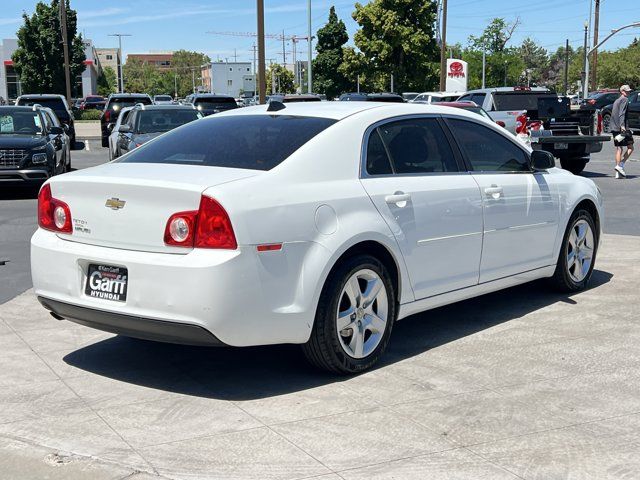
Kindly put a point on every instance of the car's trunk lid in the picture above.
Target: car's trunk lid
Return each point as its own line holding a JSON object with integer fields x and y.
{"x": 127, "y": 205}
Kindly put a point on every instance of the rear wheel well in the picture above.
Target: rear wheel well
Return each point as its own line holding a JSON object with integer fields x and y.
{"x": 378, "y": 251}
{"x": 590, "y": 207}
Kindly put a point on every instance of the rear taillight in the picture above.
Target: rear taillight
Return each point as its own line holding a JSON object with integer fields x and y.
{"x": 209, "y": 227}
{"x": 536, "y": 125}
{"x": 591, "y": 101}
{"x": 521, "y": 124}
{"x": 53, "y": 214}
{"x": 107, "y": 116}
{"x": 600, "y": 127}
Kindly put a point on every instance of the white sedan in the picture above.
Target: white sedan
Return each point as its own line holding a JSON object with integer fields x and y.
{"x": 318, "y": 225}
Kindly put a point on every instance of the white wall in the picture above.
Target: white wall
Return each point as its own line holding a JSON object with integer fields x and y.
{"x": 223, "y": 72}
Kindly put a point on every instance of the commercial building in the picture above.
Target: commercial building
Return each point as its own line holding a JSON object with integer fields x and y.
{"x": 109, "y": 57}
{"x": 162, "y": 61}
{"x": 11, "y": 88}
{"x": 228, "y": 78}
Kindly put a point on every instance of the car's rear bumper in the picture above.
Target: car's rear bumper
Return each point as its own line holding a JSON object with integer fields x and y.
{"x": 31, "y": 175}
{"x": 131, "y": 325}
{"x": 241, "y": 297}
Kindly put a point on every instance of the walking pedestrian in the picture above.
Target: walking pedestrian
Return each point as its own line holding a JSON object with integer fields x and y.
{"x": 622, "y": 135}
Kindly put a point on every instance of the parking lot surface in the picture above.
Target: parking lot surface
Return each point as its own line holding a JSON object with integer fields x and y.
{"x": 523, "y": 383}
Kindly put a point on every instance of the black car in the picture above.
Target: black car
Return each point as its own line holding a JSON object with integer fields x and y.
{"x": 599, "y": 100}
{"x": 115, "y": 103}
{"x": 294, "y": 98}
{"x": 209, "y": 103}
{"x": 33, "y": 145}
{"x": 371, "y": 97}
{"x": 145, "y": 123}
{"x": 58, "y": 104}
{"x": 633, "y": 113}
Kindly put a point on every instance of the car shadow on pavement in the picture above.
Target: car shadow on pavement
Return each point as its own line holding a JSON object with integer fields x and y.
{"x": 19, "y": 192}
{"x": 260, "y": 372}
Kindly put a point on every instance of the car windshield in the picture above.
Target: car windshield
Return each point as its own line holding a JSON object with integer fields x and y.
{"x": 163, "y": 98}
{"x": 153, "y": 121}
{"x": 54, "y": 103}
{"x": 255, "y": 142}
{"x": 116, "y": 104}
{"x": 20, "y": 122}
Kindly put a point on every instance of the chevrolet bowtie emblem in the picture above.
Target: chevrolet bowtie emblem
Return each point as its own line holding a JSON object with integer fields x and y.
{"x": 114, "y": 203}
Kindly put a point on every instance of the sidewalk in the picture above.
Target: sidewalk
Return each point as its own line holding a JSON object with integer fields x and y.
{"x": 88, "y": 130}
{"x": 518, "y": 384}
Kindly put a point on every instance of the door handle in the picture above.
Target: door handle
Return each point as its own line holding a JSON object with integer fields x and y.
{"x": 399, "y": 199}
{"x": 493, "y": 191}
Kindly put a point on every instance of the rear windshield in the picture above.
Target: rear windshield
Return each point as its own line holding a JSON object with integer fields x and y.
{"x": 254, "y": 142}
{"x": 216, "y": 101}
{"x": 518, "y": 101}
{"x": 163, "y": 98}
{"x": 55, "y": 104}
{"x": 153, "y": 121}
{"x": 117, "y": 103}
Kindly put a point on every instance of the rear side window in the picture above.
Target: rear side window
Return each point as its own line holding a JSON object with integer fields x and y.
{"x": 254, "y": 142}
{"x": 411, "y": 146}
{"x": 486, "y": 150}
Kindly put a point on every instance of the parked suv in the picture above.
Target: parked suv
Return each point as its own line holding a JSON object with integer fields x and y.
{"x": 33, "y": 144}
{"x": 209, "y": 103}
{"x": 115, "y": 103}
{"x": 58, "y": 104}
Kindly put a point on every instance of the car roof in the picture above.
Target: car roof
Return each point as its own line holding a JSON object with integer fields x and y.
{"x": 128, "y": 95}
{"x": 164, "y": 107}
{"x": 210, "y": 95}
{"x": 463, "y": 104}
{"x": 341, "y": 110}
{"x": 507, "y": 89}
{"x": 19, "y": 107}
{"x": 41, "y": 95}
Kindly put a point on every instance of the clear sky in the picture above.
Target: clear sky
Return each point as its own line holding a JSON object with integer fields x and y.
{"x": 158, "y": 25}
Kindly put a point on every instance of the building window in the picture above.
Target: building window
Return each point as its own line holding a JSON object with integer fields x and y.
{"x": 229, "y": 83}
{"x": 14, "y": 89}
{"x": 248, "y": 70}
{"x": 109, "y": 57}
{"x": 231, "y": 69}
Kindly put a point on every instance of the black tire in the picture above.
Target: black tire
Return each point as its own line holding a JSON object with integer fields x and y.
{"x": 561, "y": 279}
{"x": 574, "y": 165}
{"x": 67, "y": 166}
{"x": 105, "y": 141}
{"x": 323, "y": 349}
{"x": 606, "y": 123}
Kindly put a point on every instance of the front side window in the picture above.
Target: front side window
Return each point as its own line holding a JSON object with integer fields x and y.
{"x": 410, "y": 146}
{"x": 255, "y": 142}
{"x": 486, "y": 150}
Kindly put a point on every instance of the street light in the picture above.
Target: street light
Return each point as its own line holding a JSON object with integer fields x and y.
{"x": 120, "y": 35}
{"x": 585, "y": 88}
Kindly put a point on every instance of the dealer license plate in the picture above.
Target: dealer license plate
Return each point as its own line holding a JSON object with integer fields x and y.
{"x": 107, "y": 282}
{"x": 561, "y": 146}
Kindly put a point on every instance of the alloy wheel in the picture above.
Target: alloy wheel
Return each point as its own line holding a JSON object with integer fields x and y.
{"x": 580, "y": 250}
{"x": 362, "y": 313}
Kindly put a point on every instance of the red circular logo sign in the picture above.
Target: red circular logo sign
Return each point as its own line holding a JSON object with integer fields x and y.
{"x": 456, "y": 67}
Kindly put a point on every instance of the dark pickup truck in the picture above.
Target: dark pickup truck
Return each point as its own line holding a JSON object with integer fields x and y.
{"x": 545, "y": 119}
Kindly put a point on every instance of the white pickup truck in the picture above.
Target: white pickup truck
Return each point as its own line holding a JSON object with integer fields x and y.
{"x": 546, "y": 120}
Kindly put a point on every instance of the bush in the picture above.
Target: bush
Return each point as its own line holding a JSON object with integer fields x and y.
{"x": 87, "y": 115}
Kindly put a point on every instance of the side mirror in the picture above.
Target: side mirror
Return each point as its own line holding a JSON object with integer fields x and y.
{"x": 500, "y": 123}
{"x": 541, "y": 160}
{"x": 56, "y": 130}
{"x": 124, "y": 129}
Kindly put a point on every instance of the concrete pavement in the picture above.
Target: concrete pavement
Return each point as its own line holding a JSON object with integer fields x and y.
{"x": 523, "y": 383}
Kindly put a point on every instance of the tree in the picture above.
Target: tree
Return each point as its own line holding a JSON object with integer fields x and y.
{"x": 536, "y": 60}
{"x": 183, "y": 66}
{"x": 38, "y": 58}
{"x": 283, "y": 79}
{"x": 328, "y": 78}
{"x": 496, "y": 36}
{"x": 396, "y": 37}
{"x": 107, "y": 82}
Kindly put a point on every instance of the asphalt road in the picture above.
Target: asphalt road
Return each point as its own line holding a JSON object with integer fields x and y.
{"x": 18, "y": 211}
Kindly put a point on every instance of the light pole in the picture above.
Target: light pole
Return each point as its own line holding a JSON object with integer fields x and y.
{"x": 587, "y": 53}
{"x": 65, "y": 48}
{"x": 310, "y": 44}
{"x": 585, "y": 61}
{"x": 262, "y": 81}
{"x": 121, "y": 74}
{"x": 443, "y": 46}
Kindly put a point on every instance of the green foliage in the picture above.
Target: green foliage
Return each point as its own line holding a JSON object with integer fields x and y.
{"x": 283, "y": 79}
{"x": 620, "y": 66}
{"x": 142, "y": 77}
{"x": 328, "y": 78}
{"x": 92, "y": 114}
{"x": 107, "y": 82}
{"x": 395, "y": 37}
{"x": 495, "y": 37}
{"x": 39, "y": 57}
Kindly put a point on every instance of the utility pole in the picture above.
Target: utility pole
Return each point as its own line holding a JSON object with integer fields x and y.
{"x": 594, "y": 79}
{"x": 484, "y": 64}
{"x": 566, "y": 68}
{"x": 235, "y": 55}
{"x": 358, "y": 83}
{"x": 121, "y": 74}
{"x": 175, "y": 85}
{"x": 584, "y": 79}
{"x": 392, "y": 83}
{"x": 506, "y": 69}
{"x": 193, "y": 79}
{"x": 65, "y": 48}
{"x": 262, "y": 82}
{"x": 309, "y": 74}
{"x": 443, "y": 46}
{"x": 284, "y": 52}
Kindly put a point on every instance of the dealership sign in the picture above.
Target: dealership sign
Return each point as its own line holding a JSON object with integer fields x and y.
{"x": 457, "y": 73}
